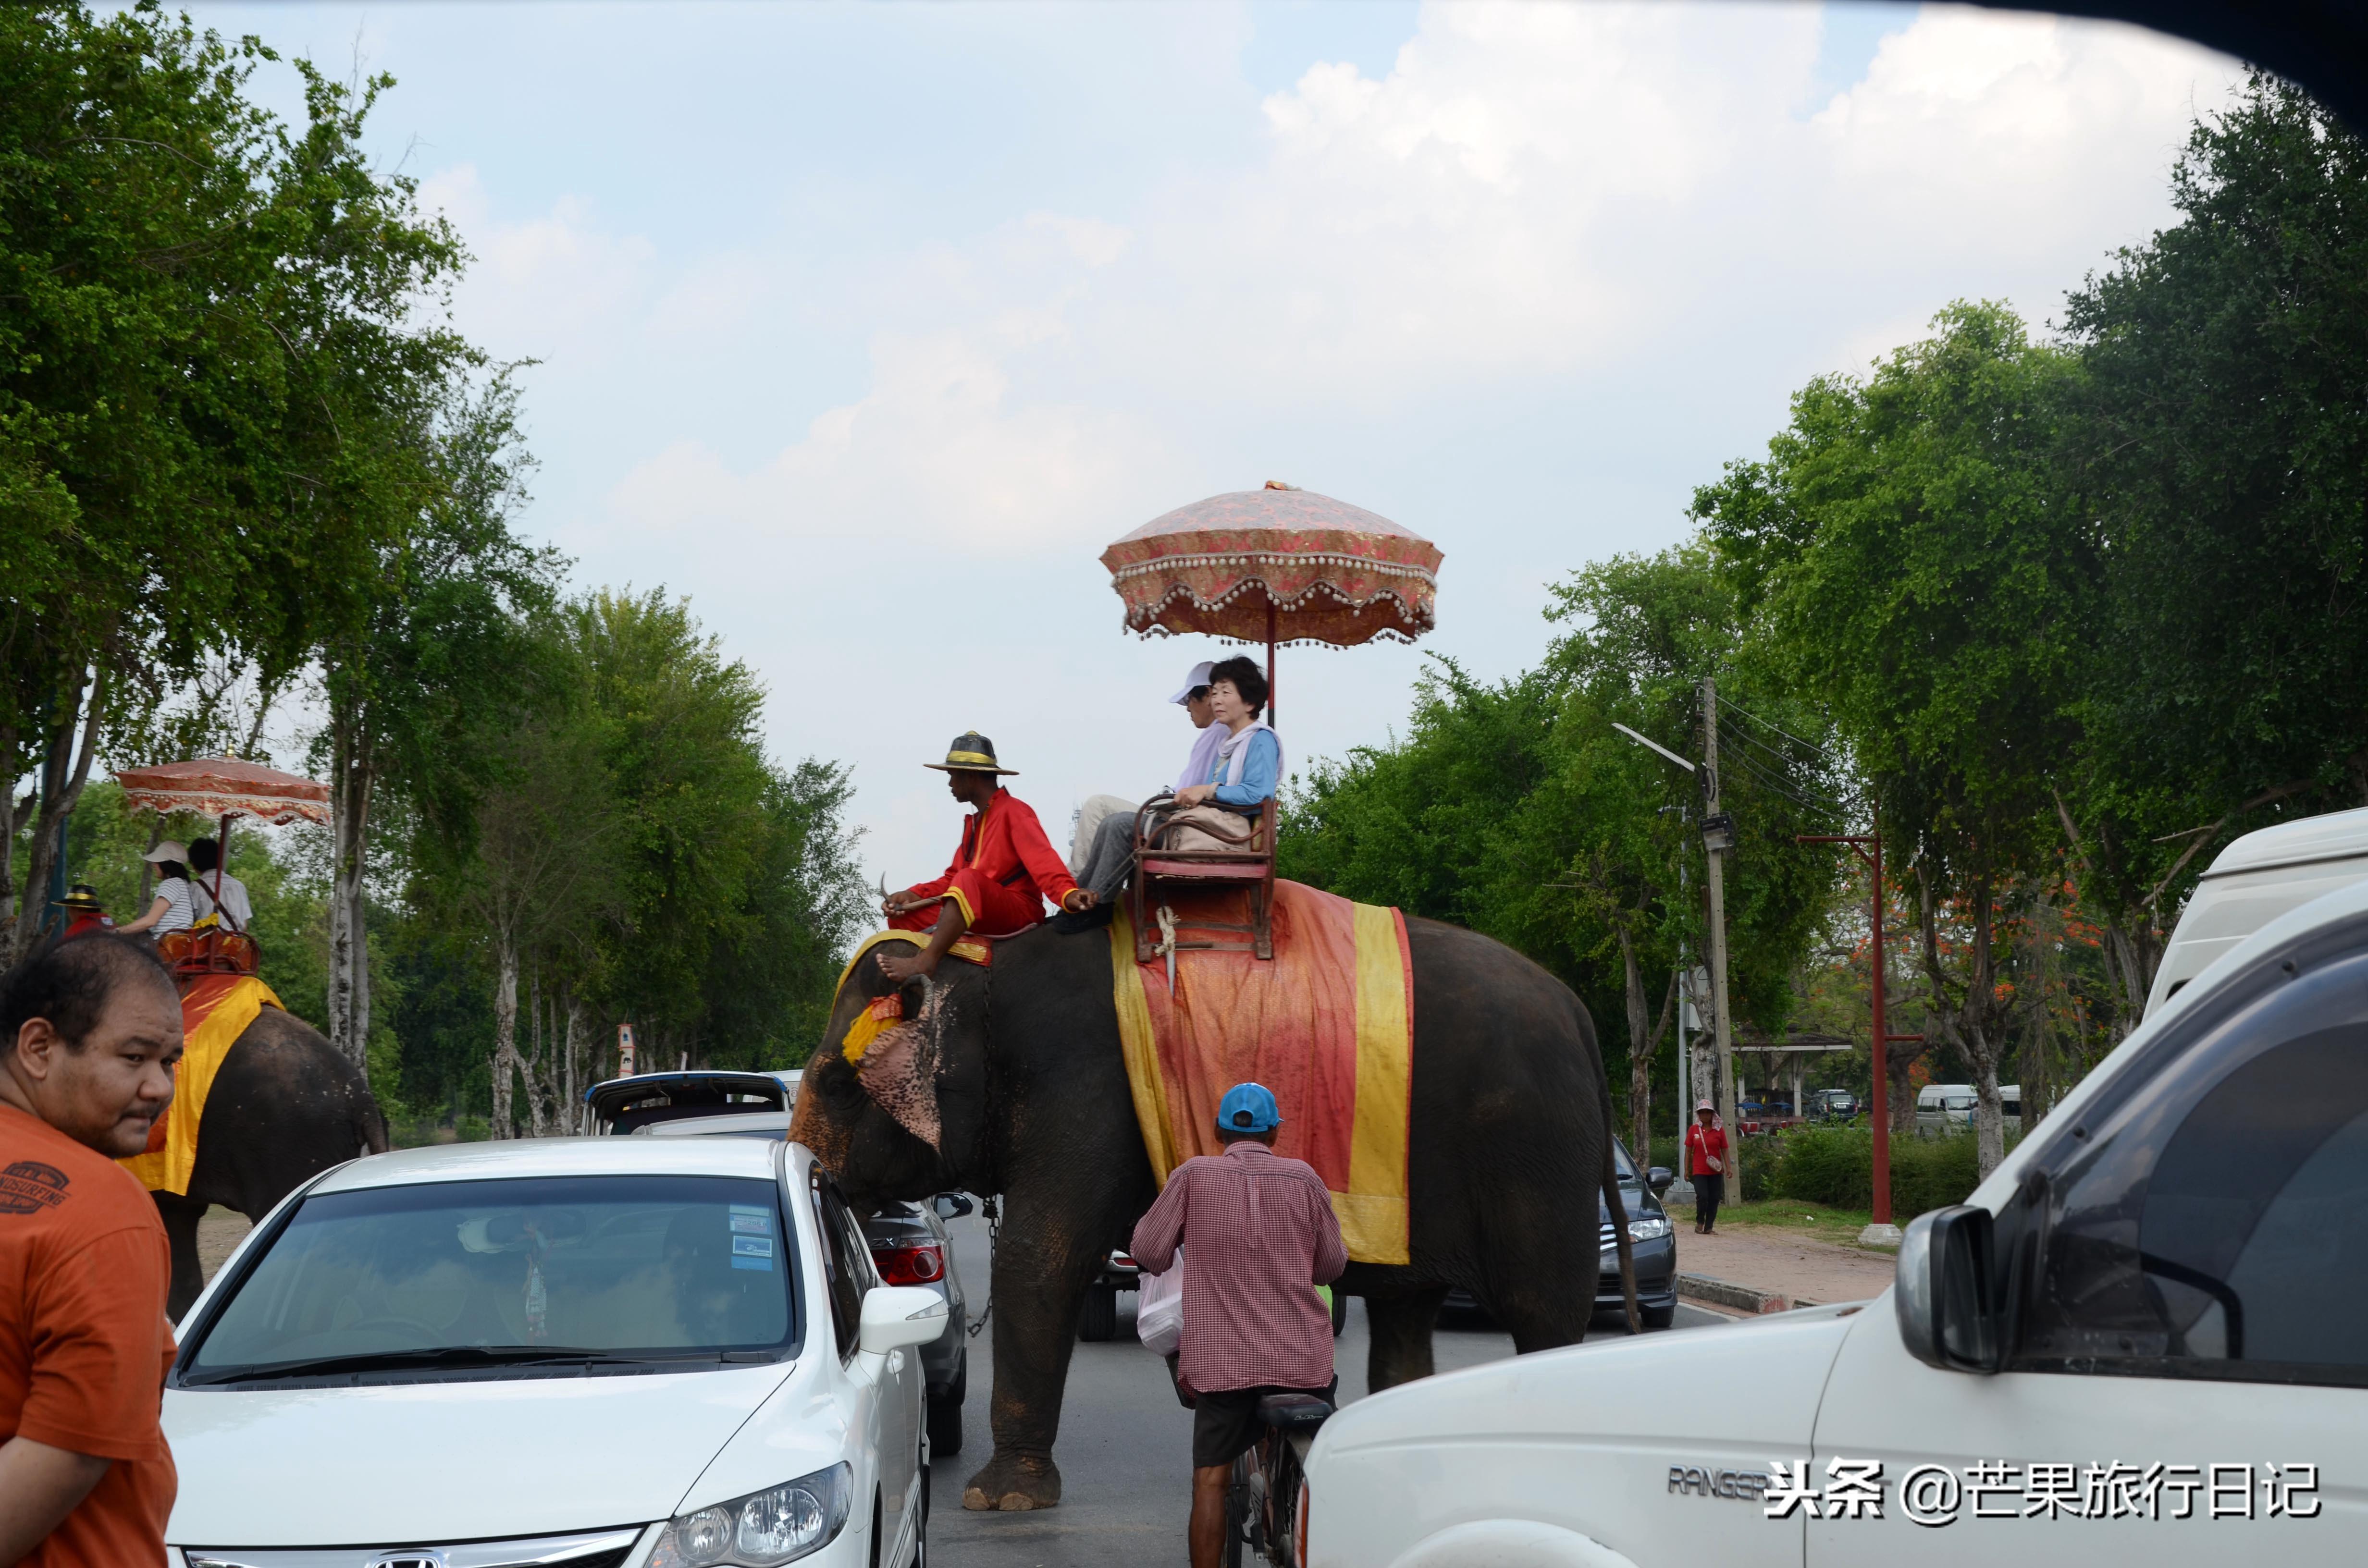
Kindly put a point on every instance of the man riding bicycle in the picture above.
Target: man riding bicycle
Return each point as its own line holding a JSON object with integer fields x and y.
{"x": 1262, "y": 1236}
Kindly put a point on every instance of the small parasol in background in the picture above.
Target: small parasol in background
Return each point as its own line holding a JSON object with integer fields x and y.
{"x": 1277, "y": 566}
{"x": 224, "y": 787}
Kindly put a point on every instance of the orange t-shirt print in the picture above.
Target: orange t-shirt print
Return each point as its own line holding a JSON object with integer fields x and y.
{"x": 85, "y": 1346}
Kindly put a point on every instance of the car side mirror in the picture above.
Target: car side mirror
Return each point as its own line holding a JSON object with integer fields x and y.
{"x": 1952, "y": 1312}
{"x": 896, "y": 1316}
{"x": 1658, "y": 1179}
{"x": 951, "y": 1205}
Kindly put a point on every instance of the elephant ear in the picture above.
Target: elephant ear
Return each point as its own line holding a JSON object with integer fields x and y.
{"x": 898, "y": 1064}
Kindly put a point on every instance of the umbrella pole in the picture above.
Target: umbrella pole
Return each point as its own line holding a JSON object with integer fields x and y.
{"x": 221, "y": 860}
{"x": 1269, "y": 659}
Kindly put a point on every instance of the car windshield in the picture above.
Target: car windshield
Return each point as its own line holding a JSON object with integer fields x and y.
{"x": 619, "y": 1268}
{"x": 1621, "y": 1163}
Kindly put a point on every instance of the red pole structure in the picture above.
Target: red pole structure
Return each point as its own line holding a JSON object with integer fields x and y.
{"x": 1879, "y": 1101}
{"x": 1868, "y": 846}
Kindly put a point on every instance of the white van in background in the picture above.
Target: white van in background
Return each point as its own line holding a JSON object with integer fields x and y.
{"x": 2252, "y": 883}
{"x": 1949, "y": 1108}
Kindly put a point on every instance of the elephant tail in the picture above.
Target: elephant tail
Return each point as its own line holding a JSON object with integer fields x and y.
{"x": 370, "y": 1126}
{"x": 1618, "y": 1210}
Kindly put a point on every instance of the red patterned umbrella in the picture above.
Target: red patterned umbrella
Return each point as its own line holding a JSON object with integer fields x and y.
{"x": 225, "y": 787}
{"x": 1277, "y": 566}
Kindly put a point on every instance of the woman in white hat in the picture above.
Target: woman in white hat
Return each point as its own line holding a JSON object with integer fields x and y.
{"x": 173, "y": 910}
{"x": 1706, "y": 1145}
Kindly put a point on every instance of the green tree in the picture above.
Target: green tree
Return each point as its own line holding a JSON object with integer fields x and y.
{"x": 1911, "y": 559}
{"x": 2219, "y": 435}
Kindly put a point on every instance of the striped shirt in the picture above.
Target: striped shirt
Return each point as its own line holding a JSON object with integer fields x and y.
{"x": 1262, "y": 1236}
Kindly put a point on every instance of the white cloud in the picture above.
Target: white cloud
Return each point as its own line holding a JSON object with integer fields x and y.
{"x": 937, "y": 453}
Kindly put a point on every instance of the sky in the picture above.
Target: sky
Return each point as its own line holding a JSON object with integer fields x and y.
{"x": 866, "y": 327}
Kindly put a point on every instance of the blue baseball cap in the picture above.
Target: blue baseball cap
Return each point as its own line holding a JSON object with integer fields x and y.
{"x": 1248, "y": 1107}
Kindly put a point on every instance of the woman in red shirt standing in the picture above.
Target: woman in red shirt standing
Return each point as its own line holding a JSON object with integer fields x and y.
{"x": 1706, "y": 1153}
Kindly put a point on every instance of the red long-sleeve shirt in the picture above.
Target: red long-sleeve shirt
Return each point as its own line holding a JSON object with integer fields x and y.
{"x": 1705, "y": 1140}
{"x": 1006, "y": 844}
{"x": 1258, "y": 1235}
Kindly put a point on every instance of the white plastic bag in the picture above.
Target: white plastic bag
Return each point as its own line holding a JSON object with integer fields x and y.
{"x": 1160, "y": 1309}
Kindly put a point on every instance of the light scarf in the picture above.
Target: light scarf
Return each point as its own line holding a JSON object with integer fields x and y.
{"x": 1234, "y": 752}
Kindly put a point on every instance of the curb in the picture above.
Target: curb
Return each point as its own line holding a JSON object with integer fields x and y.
{"x": 1736, "y": 1297}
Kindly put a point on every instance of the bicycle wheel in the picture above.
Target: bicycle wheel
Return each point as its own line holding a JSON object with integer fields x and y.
{"x": 1239, "y": 1498}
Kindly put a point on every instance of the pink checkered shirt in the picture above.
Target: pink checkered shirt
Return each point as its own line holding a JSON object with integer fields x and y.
{"x": 1259, "y": 1235}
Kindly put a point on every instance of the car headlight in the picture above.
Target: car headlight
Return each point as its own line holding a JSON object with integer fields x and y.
{"x": 1652, "y": 1227}
{"x": 778, "y": 1525}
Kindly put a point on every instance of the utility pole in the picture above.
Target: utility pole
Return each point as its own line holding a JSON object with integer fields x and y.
{"x": 1718, "y": 838}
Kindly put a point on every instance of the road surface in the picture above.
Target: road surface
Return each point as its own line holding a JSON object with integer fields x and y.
{"x": 1125, "y": 1444}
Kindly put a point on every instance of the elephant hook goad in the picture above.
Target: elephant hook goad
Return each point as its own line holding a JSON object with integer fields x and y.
{"x": 1012, "y": 1081}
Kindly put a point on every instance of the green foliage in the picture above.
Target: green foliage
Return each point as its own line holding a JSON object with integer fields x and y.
{"x": 2228, "y": 366}
{"x": 1834, "y": 1164}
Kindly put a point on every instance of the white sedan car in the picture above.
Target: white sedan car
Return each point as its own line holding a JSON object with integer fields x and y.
{"x": 592, "y": 1353}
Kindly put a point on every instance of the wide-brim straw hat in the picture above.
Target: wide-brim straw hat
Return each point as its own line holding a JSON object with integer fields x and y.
{"x": 971, "y": 753}
{"x": 81, "y": 896}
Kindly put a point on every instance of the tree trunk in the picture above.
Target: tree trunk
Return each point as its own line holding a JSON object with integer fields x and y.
{"x": 506, "y": 1054}
{"x": 570, "y": 1114}
{"x": 64, "y": 773}
{"x": 1989, "y": 1115}
{"x": 1640, "y": 1053}
{"x": 350, "y": 781}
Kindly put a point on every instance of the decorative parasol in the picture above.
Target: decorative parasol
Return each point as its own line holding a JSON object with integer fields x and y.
{"x": 1275, "y": 565}
{"x": 224, "y": 787}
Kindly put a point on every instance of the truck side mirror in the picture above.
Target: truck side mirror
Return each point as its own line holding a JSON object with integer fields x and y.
{"x": 1658, "y": 1179}
{"x": 1951, "y": 1308}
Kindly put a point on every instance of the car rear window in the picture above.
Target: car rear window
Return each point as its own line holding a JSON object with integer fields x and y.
{"x": 619, "y": 1267}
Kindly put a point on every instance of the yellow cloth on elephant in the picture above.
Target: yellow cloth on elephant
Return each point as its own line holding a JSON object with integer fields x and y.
{"x": 1327, "y": 1024}
{"x": 215, "y": 1011}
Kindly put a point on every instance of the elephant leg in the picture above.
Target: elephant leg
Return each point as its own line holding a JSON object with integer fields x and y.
{"x": 181, "y": 1216}
{"x": 1400, "y": 1325}
{"x": 1042, "y": 1265}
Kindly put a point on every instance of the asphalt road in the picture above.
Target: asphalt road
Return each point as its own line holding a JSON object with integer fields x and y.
{"x": 1125, "y": 1444}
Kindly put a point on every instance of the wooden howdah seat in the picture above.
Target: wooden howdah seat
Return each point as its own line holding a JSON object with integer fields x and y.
{"x": 1249, "y": 868}
{"x": 208, "y": 950}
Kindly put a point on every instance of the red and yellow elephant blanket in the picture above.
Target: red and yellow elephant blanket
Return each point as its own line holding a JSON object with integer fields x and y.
{"x": 1328, "y": 1024}
{"x": 215, "y": 1011}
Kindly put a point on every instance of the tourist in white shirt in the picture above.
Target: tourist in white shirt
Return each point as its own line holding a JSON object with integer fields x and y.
{"x": 173, "y": 910}
{"x": 230, "y": 904}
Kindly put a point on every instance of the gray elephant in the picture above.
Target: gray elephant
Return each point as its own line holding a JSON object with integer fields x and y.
{"x": 284, "y": 1107}
{"x": 1024, "y": 1084}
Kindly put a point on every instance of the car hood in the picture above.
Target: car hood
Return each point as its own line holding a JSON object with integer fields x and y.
{"x": 459, "y": 1461}
{"x": 1650, "y": 1392}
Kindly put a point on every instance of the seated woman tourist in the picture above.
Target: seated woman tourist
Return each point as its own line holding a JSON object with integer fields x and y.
{"x": 1103, "y": 851}
{"x": 1244, "y": 773}
{"x": 172, "y": 909}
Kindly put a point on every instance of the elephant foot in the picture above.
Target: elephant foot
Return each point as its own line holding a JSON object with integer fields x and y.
{"x": 1013, "y": 1485}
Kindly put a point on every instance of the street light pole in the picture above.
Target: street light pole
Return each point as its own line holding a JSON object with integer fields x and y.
{"x": 1718, "y": 838}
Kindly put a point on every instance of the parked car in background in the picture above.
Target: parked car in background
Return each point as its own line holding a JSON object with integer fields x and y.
{"x": 1652, "y": 1245}
{"x": 1832, "y": 1105}
{"x": 561, "y": 1352}
{"x": 909, "y": 1243}
{"x": 650, "y": 1099}
{"x": 2151, "y": 1293}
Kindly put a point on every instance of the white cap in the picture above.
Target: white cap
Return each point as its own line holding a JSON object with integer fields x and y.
{"x": 169, "y": 849}
{"x": 1198, "y": 677}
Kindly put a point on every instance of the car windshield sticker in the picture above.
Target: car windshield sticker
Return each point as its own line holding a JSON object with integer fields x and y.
{"x": 757, "y": 1224}
{"x": 751, "y": 1251}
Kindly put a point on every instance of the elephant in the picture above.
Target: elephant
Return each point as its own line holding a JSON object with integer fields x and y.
{"x": 1022, "y": 1077}
{"x": 284, "y": 1107}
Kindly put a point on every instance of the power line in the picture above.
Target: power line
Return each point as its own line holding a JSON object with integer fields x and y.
{"x": 1745, "y": 712}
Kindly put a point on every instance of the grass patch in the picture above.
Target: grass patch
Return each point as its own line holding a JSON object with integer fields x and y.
{"x": 1791, "y": 1215}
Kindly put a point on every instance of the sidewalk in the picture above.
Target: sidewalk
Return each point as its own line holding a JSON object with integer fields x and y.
{"x": 1774, "y": 1263}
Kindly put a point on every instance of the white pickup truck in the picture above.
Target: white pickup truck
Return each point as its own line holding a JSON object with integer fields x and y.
{"x": 2144, "y": 1339}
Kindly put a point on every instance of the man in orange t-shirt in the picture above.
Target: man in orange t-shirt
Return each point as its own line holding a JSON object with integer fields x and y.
{"x": 89, "y": 1032}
